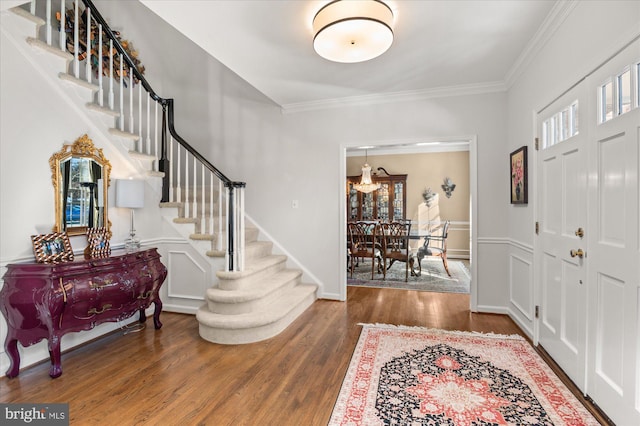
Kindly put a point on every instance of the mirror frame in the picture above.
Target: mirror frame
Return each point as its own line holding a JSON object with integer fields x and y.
{"x": 82, "y": 148}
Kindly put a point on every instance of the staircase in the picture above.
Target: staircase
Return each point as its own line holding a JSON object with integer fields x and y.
{"x": 257, "y": 295}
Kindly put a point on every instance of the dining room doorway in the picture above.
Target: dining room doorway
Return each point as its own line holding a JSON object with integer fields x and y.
{"x": 442, "y": 169}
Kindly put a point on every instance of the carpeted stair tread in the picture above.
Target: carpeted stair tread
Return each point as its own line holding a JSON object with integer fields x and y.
{"x": 123, "y": 134}
{"x": 202, "y": 237}
{"x": 51, "y": 49}
{"x": 78, "y": 81}
{"x": 28, "y": 15}
{"x": 142, "y": 156}
{"x": 277, "y": 310}
{"x": 102, "y": 109}
{"x": 262, "y": 289}
{"x": 171, "y": 204}
{"x": 185, "y": 220}
{"x": 252, "y": 268}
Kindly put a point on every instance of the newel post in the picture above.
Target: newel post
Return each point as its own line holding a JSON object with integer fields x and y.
{"x": 163, "y": 163}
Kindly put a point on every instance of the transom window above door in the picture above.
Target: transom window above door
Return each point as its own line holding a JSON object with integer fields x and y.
{"x": 560, "y": 126}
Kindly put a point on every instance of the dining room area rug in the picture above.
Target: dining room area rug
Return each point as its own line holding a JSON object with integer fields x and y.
{"x": 418, "y": 376}
{"x": 433, "y": 277}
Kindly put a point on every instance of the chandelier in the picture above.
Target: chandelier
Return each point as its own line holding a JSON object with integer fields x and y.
{"x": 366, "y": 185}
{"x": 351, "y": 31}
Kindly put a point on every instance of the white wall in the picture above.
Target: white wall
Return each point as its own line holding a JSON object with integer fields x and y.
{"x": 310, "y": 164}
{"x": 298, "y": 156}
{"x": 593, "y": 31}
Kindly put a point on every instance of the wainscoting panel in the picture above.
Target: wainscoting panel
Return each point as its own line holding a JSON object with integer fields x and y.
{"x": 609, "y": 356}
{"x": 186, "y": 279}
{"x": 521, "y": 285}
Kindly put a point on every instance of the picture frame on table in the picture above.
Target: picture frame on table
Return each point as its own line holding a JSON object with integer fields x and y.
{"x": 519, "y": 184}
{"x": 98, "y": 243}
{"x": 52, "y": 248}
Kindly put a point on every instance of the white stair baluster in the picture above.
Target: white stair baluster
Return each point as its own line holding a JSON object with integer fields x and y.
{"x": 195, "y": 186}
{"x": 121, "y": 76}
{"x": 88, "y": 46}
{"x": 211, "y": 213}
{"x": 226, "y": 207}
{"x": 219, "y": 239}
{"x": 148, "y": 124}
{"x": 155, "y": 148}
{"x": 204, "y": 204}
{"x": 140, "y": 140}
{"x": 111, "y": 106}
{"x": 63, "y": 32}
{"x": 76, "y": 43}
{"x": 130, "y": 98}
{"x": 178, "y": 174}
{"x": 170, "y": 171}
{"x": 242, "y": 228}
{"x": 99, "y": 70}
{"x": 48, "y": 25}
{"x": 187, "y": 207}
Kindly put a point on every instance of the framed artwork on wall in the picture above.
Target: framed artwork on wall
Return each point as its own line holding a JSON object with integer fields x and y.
{"x": 519, "y": 176}
{"x": 52, "y": 248}
{"x": 98, "y": 243}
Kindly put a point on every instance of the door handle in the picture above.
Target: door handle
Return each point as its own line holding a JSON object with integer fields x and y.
{"x": 578, "y": 253}
{"x": 580, "y": 233}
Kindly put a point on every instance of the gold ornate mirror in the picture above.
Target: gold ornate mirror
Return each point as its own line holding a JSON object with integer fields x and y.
{"x": 80, "y": 177}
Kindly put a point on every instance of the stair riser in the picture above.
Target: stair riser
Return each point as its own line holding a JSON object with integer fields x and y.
{"x": 250, "y": 235}
{"x": 253, "y": 305}
{"x": 234, "y": 336}
{"x": 250, "y": 281}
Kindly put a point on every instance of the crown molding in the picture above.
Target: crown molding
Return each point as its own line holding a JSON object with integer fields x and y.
{"x": 406, "y": 96}
{"x": 558, "y": 14}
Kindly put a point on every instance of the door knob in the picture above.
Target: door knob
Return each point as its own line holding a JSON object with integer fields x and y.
{"x": 578, "y": 253}
{"x": 580, "y": 232}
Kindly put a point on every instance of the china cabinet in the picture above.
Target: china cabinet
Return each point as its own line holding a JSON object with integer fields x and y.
{"x": 387, "y": 203}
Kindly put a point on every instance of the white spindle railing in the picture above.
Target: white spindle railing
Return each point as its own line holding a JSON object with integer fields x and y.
{"x": 121, "y": 87}
{"x": 99, "y": 70}
{"x": 111, "y": 75}
{"x": 63, "y": 23}
{"x": 194, "y": 209}
{"x": 87, "y": 50}
{"x": 219, "y": 239}
{"x": 130, "y": 98}
{"x": 140, "y": 139}
{"x": 76, "y": 41}
{"x": 48, "y": 22}
{"x": 191, "y": 181}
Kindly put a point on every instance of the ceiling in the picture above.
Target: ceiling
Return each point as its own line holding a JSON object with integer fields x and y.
{"x": 439, "y": 46}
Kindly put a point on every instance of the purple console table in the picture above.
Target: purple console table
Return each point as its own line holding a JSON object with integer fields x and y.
{"x": 46, "y": 301}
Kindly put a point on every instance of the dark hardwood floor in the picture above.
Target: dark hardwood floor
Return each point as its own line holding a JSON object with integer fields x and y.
{"x": 173, "y": 377}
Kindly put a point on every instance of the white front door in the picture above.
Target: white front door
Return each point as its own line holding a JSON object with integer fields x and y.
{"x": 614, "y": 237}
{"x": 562, "y": 203}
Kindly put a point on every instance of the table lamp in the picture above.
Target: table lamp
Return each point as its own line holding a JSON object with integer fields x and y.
{"x": 130, "y": 194}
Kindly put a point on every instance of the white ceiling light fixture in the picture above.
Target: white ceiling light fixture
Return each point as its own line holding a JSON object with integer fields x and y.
{"x": 351, "y": 31}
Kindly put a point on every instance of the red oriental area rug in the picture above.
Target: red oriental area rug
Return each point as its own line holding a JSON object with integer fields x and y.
{"x": 416, "y": 376}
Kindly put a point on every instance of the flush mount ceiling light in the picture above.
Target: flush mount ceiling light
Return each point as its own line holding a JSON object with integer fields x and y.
{"x": 353, "y": 30}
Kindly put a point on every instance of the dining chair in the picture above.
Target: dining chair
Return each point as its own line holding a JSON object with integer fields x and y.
{"x": 437, "y": 245}
{"x": 395, "y": 244}
{"x": 363, "y": 242}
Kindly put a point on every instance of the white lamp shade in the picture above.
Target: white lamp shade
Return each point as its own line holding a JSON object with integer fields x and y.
{"x": 130, "y": 193}
{"x": 353, "y": 30}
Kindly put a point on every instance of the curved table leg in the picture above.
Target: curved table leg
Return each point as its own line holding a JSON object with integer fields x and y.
{"x": 54, "y": 353}
{"x": 11, "y": 348}
{"x": 156, "y": 313}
